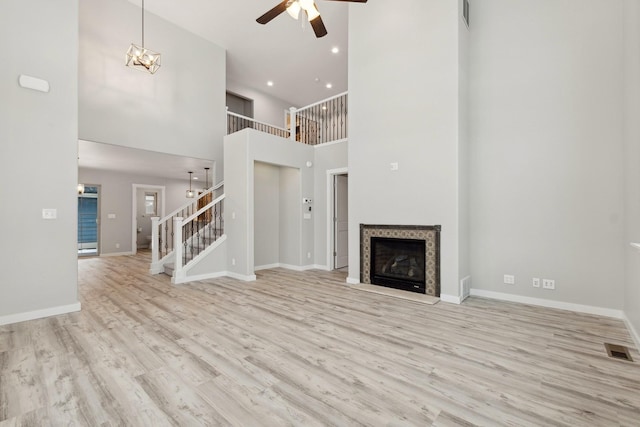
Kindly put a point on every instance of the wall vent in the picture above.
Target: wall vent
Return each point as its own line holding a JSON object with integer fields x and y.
{"x": 465, "y": 288}
{"x": 618, "y": 352}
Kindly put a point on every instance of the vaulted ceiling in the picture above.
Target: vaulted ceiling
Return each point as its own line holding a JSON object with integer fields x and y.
{"x": 284, "y": 51}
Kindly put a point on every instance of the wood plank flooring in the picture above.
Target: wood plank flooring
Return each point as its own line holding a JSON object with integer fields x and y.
{"x": 304, "y": 349}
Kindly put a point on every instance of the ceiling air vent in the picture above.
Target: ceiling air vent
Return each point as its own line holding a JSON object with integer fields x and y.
{"x": 618, "y": 352}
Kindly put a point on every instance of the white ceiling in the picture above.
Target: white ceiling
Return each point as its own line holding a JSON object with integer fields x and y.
{"x": 119, "y": 159}
{"x": 284, "y": 51}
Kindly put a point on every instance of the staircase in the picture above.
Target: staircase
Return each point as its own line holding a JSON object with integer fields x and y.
{"x": 185, "y": 236}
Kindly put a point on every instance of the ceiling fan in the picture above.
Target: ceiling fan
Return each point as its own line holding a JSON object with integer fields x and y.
{"x": 293, "y": 8}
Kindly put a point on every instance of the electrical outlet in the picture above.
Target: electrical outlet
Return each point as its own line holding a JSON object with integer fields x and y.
{"x": 536, "y": 282}
{"x": 117, "y": 245}
{"x": 233, "y": 261}
{"x": 509, "y": 279}
{"x": 548, "y": 284}
{"x": 308, "y": 255}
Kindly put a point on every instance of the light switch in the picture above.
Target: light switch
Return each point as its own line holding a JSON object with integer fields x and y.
{"x": 111, "y": 216}
{"x": 49, "y": 213}
{"x": 307, "y": 216}
{"x": 394, "y": 166}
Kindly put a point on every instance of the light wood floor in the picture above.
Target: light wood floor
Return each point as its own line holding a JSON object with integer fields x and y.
{"x": 304, "y": 349}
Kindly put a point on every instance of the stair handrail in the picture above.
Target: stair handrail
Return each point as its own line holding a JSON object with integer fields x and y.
{"x": 186, "y": 239}
{"x": 203, "y": 210}
{"x": 201, "y": 195}
{"x": 160, "y": 234}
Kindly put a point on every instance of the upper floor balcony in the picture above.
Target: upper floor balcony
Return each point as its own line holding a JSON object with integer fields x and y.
{"x": 319, "y": 123}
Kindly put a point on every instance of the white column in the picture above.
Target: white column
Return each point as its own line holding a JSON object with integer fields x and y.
{"x": 155, "y": 244}
{"x": 292, "y": 123}
{"x": 177, "y": 243}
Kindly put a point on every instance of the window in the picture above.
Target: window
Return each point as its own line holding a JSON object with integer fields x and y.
{"x": 150, "y": 203}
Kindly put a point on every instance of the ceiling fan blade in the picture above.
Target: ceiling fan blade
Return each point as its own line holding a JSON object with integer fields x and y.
{"x": 273, "y": 13}
{"x": 352, "y": 1}
{"x": 318, "y": 27}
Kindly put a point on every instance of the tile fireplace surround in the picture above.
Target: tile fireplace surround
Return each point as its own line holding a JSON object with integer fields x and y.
{"x": 429, "y": 233}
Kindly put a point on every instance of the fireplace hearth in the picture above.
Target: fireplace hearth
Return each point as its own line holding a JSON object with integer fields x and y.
{"x": 401, "y": 256}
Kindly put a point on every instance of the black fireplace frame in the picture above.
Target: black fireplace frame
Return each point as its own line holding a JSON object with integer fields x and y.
{"x": 400, "y": 229}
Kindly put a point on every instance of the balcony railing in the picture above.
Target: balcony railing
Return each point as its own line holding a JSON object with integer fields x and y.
{"x": 236, "y": 122}
{"x": 319, "y": 123}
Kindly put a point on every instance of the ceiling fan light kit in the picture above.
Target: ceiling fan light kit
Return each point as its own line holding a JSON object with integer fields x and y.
{"x": 294, "y": 7}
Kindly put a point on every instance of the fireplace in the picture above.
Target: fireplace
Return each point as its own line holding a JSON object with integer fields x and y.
{"x": 398, "y": 263}
{"x": 404, "y": 257}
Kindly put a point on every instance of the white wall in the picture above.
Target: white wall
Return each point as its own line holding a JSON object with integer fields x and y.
{"x": 291, "y": 218}
{"x": 464, "y": 262}
{"x": 546, "y": 152}
{"x": 179, "y": 110}
{"x": 403, "y": 107}
{"x": 116, "y": 198}
{"x": 38, "y": 159}
{"x": 266, "y": 227}
{"x": 266, "y": 108}
{"x": 327, "y": 157}
{"x": 632, "y": 156}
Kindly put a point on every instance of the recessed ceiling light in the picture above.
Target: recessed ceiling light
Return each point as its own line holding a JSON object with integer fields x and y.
{"x": 195, "y": 178}
{"x": 269, "y": 83}
{"x": 329, "y": 86}
{"x": 335, "y": 49}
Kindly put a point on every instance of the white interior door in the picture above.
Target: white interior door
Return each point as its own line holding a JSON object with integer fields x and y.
{"x": 341, "y": 224}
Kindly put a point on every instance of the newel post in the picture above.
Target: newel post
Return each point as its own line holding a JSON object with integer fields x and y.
{"x": 177, "y": 242}
{"x": 292, "y": 123}
{"x": 155, "y": 240}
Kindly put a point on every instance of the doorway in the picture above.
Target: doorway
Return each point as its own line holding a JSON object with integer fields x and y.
{"x": 337, "y": 219}
{"x": 148, "y": 202}
{"x": 341, "y": 221}
{"x": 88, "y": 220}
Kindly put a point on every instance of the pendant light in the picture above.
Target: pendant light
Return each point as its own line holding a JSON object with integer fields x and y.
{"x": 206, "y": 178}
{"x": 141, "y": 58}
{"x": 190, "y": 193}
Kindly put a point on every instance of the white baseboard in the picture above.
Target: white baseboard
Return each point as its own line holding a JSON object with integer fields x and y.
{"x": 291, "y": 267}
{"x": 39, "y": 314}
{"x": 452, "y": 299}
{"x": 634, "y": 333}
{"x": 196, "y": 278}
{"x": 117, "y": 254}
{"x": 244, "y": 278}
{"x": 352, "y": 281}
{"x": 266, "y": 267}
{"x": 588, "y": 309}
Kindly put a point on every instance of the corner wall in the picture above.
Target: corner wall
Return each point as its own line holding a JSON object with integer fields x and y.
{"x": 241, "y": 151}
{"x": 632, "y": 156}
{"x": 38, "y": 159}
{"x": 547, "y": 184}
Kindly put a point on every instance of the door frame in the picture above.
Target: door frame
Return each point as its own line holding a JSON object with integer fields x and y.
{"x": 134, "y": 209}
{"x": 98, "y": 220}
{"x": 331, "y": 173}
